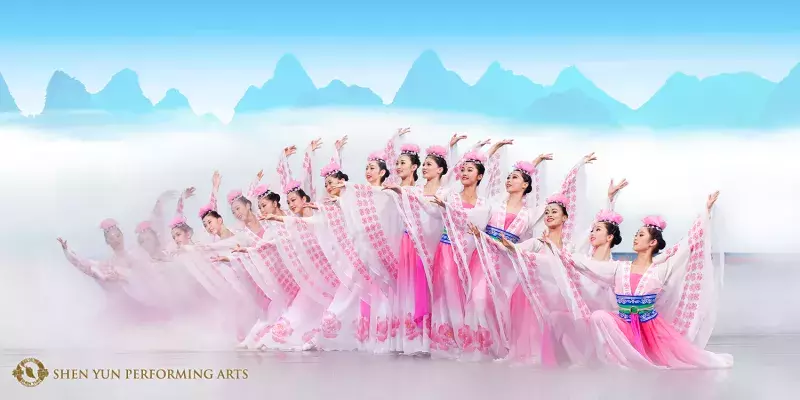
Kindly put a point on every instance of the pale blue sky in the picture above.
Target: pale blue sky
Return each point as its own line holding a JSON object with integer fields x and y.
{"x": 212, "y": 53}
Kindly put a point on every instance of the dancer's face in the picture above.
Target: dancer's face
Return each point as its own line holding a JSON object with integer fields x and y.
{"x": 470, "y": 174}
{"x": 374, "y": 173}
{"x": 181, "y": 237}
{"x": 642, "y": 241}
{"x": 430, "y": 170}
{"x": 296, "y": 203}
{"x": 554, "y": 216}
{"x": 404, "y": 167}
{"x": 515, "y": 183}
{"x": 240, "y": 210}
{"x": 148, "y": 241}
{"x": 114, "y": 237}
{"x": 332, "y": 186}
{"x": 267, "y": 206}
{"x": 599, "y": 235}
{"x": 212, "y": 224}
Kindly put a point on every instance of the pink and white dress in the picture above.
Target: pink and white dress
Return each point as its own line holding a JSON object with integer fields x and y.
{"x": 304, "y": 255}
{"x": 666, "y": 315}
{"x": 488, "y": 319}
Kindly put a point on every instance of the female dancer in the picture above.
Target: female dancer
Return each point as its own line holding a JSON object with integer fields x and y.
{"x": 423, "y": 230}
{"x": 550, "y": 296}
{"x": 666, "y": 303}
{"x": 370, "y": 219}
{"x": 487, "y": 312}
{"x": 305, "y": 257}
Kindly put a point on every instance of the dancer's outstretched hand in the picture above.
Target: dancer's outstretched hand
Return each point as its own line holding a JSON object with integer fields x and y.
{"x": 474, "y": 230}
{"x": 341, "y": 143}
{"x": 316, "y": 144}
{"x": 394, "y": 188}
{"x": 238, "y": 249}
{"x": 542, "y": 157}
{"x": 614, "y": 189}
{"x": 500, "y": 144}
{"x": 63, "y": 243}
{"x": 589, "y": 158}
{"x": 456, "y": 138}
{"x": 483, "y": 143}
{"x": 436, "y": 200}
{"x": 189, "y": 192}
{"x": 220, "y": 259}
{"x": 712, "y": 198}
{"x": 508, "y": 245}
{"x": 216, "y": 179}
{"x": 288, "y": 151}
{"x": 403, "y": 131}
{"x": 260, "y": 175}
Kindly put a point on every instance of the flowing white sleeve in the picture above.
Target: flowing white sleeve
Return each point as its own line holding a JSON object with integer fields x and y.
{"x": 308, "y": 174}
{"x": 284, "y": 170}
{"x": 95, "y": 269}
{"x": 689, "y": 299}
{"x": 392, "y": 153}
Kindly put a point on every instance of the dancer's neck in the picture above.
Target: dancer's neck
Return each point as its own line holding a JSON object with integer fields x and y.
{"x": 408, "y": 181}
{"x": 433, "y": 185}
{"x": 602, "y": 253}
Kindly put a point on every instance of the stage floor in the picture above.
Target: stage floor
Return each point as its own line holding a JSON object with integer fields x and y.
{"x": 766, "y": 367}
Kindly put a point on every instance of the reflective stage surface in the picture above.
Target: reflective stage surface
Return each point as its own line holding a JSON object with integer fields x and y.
{"x": 767, "y": 367}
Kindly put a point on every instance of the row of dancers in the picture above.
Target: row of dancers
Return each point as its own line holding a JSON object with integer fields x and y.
{"x": 449, "y": 265}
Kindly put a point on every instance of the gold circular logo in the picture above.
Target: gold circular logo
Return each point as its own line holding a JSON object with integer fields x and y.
{"x": 30, "y": 372}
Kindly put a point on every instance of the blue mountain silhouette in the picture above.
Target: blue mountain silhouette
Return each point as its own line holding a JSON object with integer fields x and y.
{"x": 782, "y": 107}
{"x": 571, "y": 107}
{"x": 500, "y": 92}
{"x": 429, "y": 85}
{"x": 726, "y": 100}
{"x": 337, "y": 93}
{"x": 738, "y": 100}
{"x": 65, "y": 93}
{"x": 174, "y": 100}
{"x": 122, "y": 94}
{"x": 7, "y": 103}
{"x": 288, "y": 84}
{"x": 571, "y": 78}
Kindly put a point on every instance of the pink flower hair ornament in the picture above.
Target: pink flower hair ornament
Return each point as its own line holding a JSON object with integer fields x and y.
{"x": 558, "y": 198}
{"x": 108, "y": 223}
{"x": 205, "y": 210}
{"x": 292, "y": 186}
{"x": 377, "y": 156}
{"x": 177, "y": 221}
{"x": 233, "y": 195}
{"x": 655, "y": 221}
{"x": 143, "y": 226}
{"x": 475, "y": 157}
{"x": 609, "y": 216}
{"x": 409, "y": 148}
{"x": 261, "y": 191}
{"x": 330, "y": 169}
{"x": 525, "y": 167}
{"x": 437, "y": 151}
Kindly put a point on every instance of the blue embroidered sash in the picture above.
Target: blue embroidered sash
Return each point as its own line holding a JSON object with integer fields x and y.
{"x": 445, "y": 238}
{"x": 496, "y": 233}
{"x": 643, "y": 306}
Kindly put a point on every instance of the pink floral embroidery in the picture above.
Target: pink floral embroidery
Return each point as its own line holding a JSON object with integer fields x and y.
{"x": 314, "y": 252}
{"x": 281, "y": 330}
{"x": 334, "y": 216}
{"x": 382, "y": 329}
{"x": 263, "y": 332}
{"x": 444, "y": 336}
{"x": 281, "y": 274}
{"x": 369, "y": 217}
{"x": 467, "y": 338}
{"x": 362, "y": 329}
{"x": 330, "y": 325}
{"x": 309, "y": 336}
{"x": 395, "y": 326}
{"x": 484, "y": 339}
{"x": 411, "y": 328}
{"x": 690, "y": 295}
